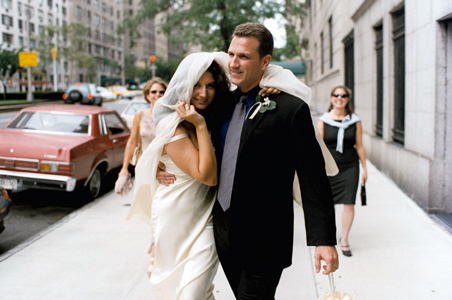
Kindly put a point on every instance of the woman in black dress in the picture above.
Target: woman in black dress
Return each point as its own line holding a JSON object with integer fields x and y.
{"x": 342, "y": 132}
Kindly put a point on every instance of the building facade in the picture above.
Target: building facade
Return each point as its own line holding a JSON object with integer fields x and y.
{"x": 396, "y": 56}
{"x": 23, "y": 20}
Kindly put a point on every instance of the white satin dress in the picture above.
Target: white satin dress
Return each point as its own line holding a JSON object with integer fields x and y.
{"x": 186, "y": 260}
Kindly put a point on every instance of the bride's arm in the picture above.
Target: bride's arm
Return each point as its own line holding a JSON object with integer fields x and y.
{"x": 200, "y": 164}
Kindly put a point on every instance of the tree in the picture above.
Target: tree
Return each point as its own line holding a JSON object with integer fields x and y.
{"x": 9, "y": 65}
{"x": 73, "y": 49}
{"x": 207, "y": 23}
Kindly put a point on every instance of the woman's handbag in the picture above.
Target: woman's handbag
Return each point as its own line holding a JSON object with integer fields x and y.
{"x": 136, "y": 153}
{"x": 363, "y": 195}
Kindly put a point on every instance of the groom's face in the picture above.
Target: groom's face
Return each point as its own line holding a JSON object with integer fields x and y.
{"x": 245, "y": 64}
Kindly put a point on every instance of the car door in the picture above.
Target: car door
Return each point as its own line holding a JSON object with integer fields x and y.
{"x": 118, "y": 133}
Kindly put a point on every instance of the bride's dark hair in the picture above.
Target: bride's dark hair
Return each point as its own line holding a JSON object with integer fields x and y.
{"x": 223, "y": 103}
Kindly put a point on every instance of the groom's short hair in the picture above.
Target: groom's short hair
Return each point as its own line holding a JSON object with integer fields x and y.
{"x": 258, "y": 31}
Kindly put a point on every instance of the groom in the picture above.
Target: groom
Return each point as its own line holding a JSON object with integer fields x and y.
{"x": 253, "y": 226}
{"x": 253, "y": 215}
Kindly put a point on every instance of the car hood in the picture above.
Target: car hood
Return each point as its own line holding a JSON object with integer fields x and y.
{"x": 39, "y": 145}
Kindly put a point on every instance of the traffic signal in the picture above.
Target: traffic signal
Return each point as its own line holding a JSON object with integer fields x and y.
{"x": 152, "y": 58}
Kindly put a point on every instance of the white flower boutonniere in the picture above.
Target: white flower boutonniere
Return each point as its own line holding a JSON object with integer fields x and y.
{"x": 263, "y": 105}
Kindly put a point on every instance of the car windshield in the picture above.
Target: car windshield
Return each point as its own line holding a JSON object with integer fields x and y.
{"x": 120, "y": 88}
{"x": 54, "y": 122}
{"x": 133, "y": 108}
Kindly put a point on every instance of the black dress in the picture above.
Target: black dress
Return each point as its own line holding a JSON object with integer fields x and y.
{"x": 345, "y": 184}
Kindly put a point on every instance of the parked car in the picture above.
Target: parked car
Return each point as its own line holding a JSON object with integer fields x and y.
{"x": 61, "y": 147}
{"x": 122, "y": 92}
{"x": 5, "y": 203}
{"x": 83, "y": 93}
{"x": 105, "y": 93}
{"x": 129, "y": 112}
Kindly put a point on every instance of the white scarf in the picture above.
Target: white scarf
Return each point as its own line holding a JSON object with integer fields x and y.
{"x": 342, "y": 125}
{"x": 166, "y": 118}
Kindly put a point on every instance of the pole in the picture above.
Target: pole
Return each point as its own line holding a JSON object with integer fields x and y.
{"x": 55, "y": 82}
{"x": 29, "y": 91}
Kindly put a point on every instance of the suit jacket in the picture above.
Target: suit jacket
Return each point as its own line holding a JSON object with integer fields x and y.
{"x": 273, "y": 146}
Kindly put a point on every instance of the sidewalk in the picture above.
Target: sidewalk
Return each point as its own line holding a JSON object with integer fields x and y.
{"x": 94, "y": 253}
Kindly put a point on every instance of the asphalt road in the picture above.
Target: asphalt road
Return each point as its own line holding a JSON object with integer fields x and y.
{"x": 35, "y": 210}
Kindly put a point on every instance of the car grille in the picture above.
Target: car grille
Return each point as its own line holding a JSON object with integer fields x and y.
{"x": 19, "y": 163}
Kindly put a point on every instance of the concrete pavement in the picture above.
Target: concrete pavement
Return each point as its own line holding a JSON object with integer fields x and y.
{"x": 94, "y": 253}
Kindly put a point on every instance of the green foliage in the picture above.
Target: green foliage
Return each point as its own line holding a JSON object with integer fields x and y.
{"x": 207, "y": 23}
{"x": 9, "y": 62}
{"x": 293, "y": 47}
{"x": 9, "y": 65}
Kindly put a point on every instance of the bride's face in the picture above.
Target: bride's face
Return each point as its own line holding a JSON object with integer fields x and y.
{"x": 203, "y": 91}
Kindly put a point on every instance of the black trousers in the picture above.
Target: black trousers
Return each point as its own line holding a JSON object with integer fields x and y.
{"x": 246, "y": 284}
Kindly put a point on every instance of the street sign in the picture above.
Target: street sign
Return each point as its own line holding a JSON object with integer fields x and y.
{"x": 28, "y": 59}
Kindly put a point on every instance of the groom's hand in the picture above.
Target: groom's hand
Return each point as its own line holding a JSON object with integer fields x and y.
{"x": 329, "y": 255}
{"x": 163, "y": 177}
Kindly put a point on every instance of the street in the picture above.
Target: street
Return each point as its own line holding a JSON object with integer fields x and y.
{"x": 35, "y": 210}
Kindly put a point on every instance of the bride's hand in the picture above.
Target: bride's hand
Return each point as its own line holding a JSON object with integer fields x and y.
{"x": 189, "y": 114}
{"x": 267, "y": 91}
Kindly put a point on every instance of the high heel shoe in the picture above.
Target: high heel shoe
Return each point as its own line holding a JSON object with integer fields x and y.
{"x": 346, "y": 252}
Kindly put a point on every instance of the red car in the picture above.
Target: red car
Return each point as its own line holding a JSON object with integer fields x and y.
{"x": 61, "y": 147}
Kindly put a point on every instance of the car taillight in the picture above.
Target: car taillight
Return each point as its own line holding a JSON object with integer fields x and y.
{"x": 49, "y": 167}
{"x": 90, "y": 96}
{"x": 65, "y": 168}
{"x": 21, "y": 164}
{"x": 57, "y": 167}
{"x": 64, "y": 96}
{"x": 6, "y": 163}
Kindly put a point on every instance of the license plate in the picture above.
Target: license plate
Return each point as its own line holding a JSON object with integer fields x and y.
{"x": 8, "y": 184}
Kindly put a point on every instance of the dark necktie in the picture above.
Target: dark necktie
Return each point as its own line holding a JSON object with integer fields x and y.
{"x": 231, "y": 149}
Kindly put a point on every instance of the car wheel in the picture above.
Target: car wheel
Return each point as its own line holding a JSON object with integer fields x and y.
{"x": 94, "y": 184}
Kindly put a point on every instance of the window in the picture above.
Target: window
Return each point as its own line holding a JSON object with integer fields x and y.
{"x": 19, "y": 8}
{"x": 97, "y": 35}
{"x": 104, "y": 7}
{"x": 130, "y": 12}
{"x": 349, "y": 63}
{"x": 78, "y": 12}
{"x": 7, "y": 20}
{"x": 111, "y": 11}
{"x": 21, "y": 25}
{"x": 80, "y": 77}
{"x": 88, "y": 15}
{"x": 398, "y": 32}
{"x": 115, "y": 124}
{"x": 63, "y": 10}
{"x": 21, "y": 41}
{"x": 104, "y": 23}
{"x": 379, "y": 57}
{"x": 96, "y": 20}
{"x": 31, "y": 27}
{"x": 330, "y": 33}
{"x": 104, "y": 37}
{"x": 96, "y": 4}
{"x": 49, "y": 3}
{"x": 322, "y": 53}
{"x": 7, "y": 38}
{"x": 118, "y": 14}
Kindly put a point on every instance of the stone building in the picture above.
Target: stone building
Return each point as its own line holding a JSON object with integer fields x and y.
{"x": 396, "y": 56}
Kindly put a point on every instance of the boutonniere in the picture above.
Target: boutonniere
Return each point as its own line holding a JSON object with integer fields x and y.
{"x": 263, "y": 105}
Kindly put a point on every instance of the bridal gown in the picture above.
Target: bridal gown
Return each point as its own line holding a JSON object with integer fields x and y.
{"x": 185, "y": 255}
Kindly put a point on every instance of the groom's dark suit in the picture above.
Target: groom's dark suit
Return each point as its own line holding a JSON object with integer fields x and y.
{"x": 256, "y": 232}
